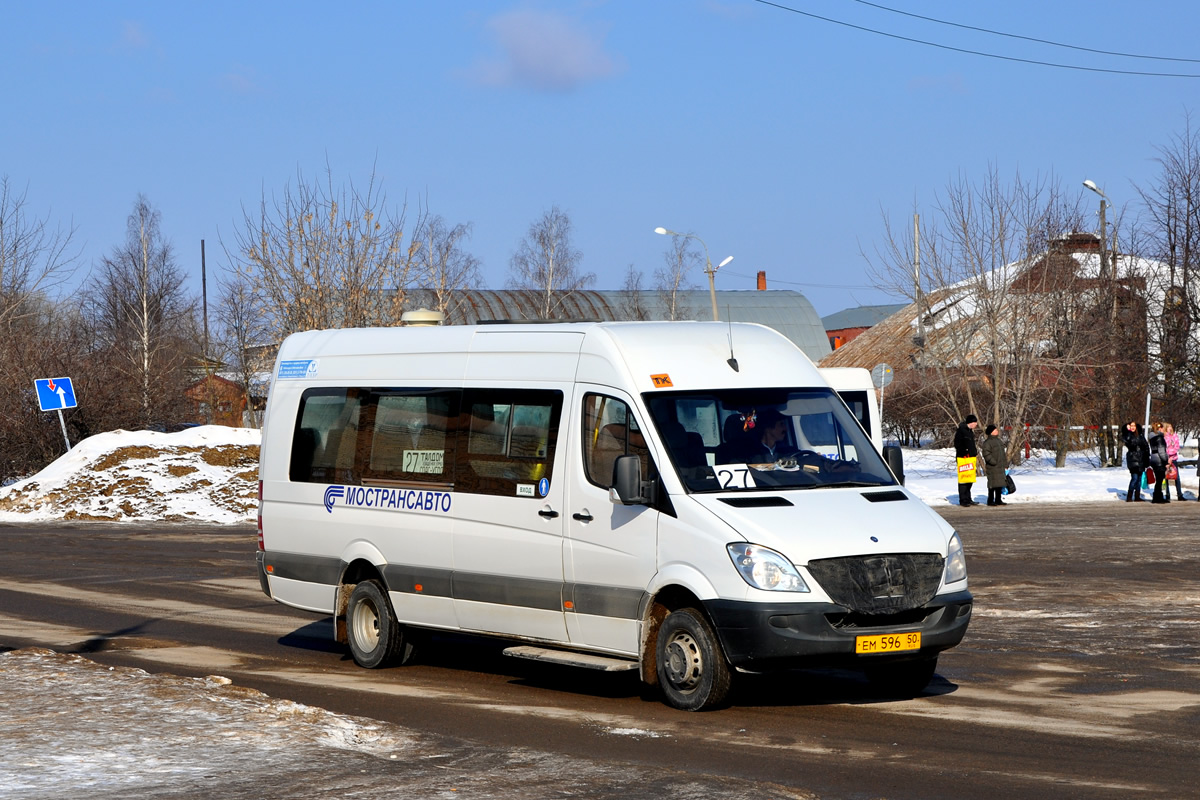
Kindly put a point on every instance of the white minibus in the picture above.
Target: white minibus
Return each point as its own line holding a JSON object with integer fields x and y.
{"x": 690, "y": 500}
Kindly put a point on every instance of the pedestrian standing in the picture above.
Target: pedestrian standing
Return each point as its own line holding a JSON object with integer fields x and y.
{"x": 1173, "y": 445}
{"x": 1137, "y": 458}
{"x": 995, "y": 459}
{"x": 1158, "y": 463}
{"x": 966, "y": 458}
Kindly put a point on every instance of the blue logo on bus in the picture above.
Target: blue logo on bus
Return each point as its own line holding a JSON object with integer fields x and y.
{"x": 543, "y": 487}
{"x": 387, "y": 499}
{"x": 331, "y": 494}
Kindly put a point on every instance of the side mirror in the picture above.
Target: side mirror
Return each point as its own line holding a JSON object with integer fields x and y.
{"x": 894, "y": 457}
{"x": 627, "y": 482}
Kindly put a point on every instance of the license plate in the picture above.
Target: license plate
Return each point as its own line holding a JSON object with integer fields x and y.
{"x": 888, "y": 643}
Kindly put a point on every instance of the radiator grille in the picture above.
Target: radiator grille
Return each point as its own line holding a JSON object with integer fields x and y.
{"x": 880, "y": 584}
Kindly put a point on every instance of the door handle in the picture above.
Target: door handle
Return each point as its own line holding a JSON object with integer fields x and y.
{"x": 548, "y": 513}
{"x": 585, "y": 517}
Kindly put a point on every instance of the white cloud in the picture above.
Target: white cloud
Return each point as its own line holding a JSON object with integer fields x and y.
{"x": 546, "y": 51}
{"x": 133, "y": 36}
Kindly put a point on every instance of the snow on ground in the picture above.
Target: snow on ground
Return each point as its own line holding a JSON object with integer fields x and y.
{"x": 126, "y": 731}
{"x": 930, "y": 474}
{"x": 74, "y": 728}
{"x": 70, "y": 724}
{"x": 210, "y": 474}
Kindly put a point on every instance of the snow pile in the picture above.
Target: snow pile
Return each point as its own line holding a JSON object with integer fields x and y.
{"x": 204, "y": 474}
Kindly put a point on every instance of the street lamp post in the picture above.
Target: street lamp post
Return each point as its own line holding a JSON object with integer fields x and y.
{"x": 709, "y": 269}
{"x": 1111, "y": 273}
{"x": 1104, "y": 203}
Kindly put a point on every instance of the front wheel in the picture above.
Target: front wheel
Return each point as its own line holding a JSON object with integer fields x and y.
{"x": 376, "y": 639}
{"x": 692, "y": 670}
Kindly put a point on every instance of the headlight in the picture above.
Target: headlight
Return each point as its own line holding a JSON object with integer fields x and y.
{"x": 956, "y": 563}
{"x": 764, "y": 568}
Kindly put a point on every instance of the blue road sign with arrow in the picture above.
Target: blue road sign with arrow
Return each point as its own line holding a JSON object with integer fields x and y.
{"x": 55, "y": 394}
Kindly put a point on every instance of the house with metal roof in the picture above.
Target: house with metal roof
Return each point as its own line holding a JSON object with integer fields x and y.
{"x": 844, "y": 325}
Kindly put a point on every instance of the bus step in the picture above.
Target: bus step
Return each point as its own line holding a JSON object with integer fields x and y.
{"x": 585, "y": 660}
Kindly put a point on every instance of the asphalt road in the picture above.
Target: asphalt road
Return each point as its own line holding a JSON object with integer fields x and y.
{"x": 1078, "y": 677}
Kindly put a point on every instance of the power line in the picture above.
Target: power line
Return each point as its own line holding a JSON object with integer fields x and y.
{"x": 1027, "y": 38}
{"x": 976, "y": 52}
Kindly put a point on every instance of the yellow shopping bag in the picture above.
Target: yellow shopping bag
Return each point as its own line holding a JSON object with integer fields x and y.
{"x": 967, "y": 467}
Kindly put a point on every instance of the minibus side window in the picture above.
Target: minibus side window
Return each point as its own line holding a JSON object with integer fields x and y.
{"x": 326, "y": 438}
{"x": 610, "y": 430}
{"x": 411, "y": 439}
{"x": 510, "y": 436}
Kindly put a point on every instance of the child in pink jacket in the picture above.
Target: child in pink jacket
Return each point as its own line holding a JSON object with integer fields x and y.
{"x": 1172, "y": 454}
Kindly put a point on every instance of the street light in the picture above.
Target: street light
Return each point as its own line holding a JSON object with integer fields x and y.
{"x": 1112, "y": 320}
{"x": 1104, "y": 203}
{"x": 709, "y": 269}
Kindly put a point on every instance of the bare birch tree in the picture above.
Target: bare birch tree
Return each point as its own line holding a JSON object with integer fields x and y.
{"x": 443, "y": 266}
{"x": 143, "y": 316}
{"x": 1171, "y": 236}
{"x": 327, "y": 257}
{"x": 34, "y": 259}
{"x": 547, "y": 264}
{"x": 674, "y": 277}
{"x": 243, "y": 338}
{"x": 633, "y": 300}
{"x": 1001, "y": 319}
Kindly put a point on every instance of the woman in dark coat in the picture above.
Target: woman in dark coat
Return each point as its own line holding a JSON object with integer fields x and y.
{"x": 1158, "y": 460}
{"x": 995, "y": 456}
{"x": 1137, "y": 458}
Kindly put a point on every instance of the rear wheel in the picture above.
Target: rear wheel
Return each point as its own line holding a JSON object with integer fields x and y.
{"x": 692, "y": 670}
{"x": 376, "y": 639}
{"x": 902, "y": 678}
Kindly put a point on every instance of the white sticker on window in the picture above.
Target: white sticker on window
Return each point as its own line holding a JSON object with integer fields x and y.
{"x": 525, "y": 490}
{"x": 428, "y": 461}
{"x": 734, "y": 476}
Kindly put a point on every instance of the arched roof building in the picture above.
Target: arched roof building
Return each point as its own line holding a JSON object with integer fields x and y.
{"x": 785, "y": 310}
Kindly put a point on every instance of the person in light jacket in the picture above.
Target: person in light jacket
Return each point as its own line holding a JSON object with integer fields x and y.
{"x": 1173, "y": 445}
{"x": 995, "y": 457}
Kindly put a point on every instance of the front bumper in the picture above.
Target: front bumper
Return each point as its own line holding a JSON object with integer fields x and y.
{"x": 761, "y": 637}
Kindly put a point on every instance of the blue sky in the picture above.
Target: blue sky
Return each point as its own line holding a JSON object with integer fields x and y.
{"x": 778, "y": 138}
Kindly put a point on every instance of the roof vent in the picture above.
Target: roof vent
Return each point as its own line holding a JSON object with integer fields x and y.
{"x": 421, "y": 318}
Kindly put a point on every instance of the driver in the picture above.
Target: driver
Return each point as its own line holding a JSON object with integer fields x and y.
{"x": 773, "y": 442}
{"x": 774, "y": 448}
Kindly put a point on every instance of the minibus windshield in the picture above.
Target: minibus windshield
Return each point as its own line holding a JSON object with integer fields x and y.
{"x": 754, "y": 439}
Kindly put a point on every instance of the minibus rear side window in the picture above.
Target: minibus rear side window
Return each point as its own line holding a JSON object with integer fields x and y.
{"x": 506, "y": 440}
{"x": 412, "y": 436}
{"x": 324, "y": 445}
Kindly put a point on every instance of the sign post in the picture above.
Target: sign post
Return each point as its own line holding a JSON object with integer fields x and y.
{"x": 55, "y": 394}
{"x": 881, "y": 376}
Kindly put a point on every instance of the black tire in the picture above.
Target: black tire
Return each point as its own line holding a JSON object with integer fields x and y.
{"x": 692, "y": 670}
{"x": 376, "y": 639}
{"x": 902, "y": 678}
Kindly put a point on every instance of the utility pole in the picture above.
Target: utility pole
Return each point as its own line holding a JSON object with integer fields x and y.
{"x": 1109, "y": 272}
{"x": 204, "y": 294}
{"x": 920, "y": 340}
